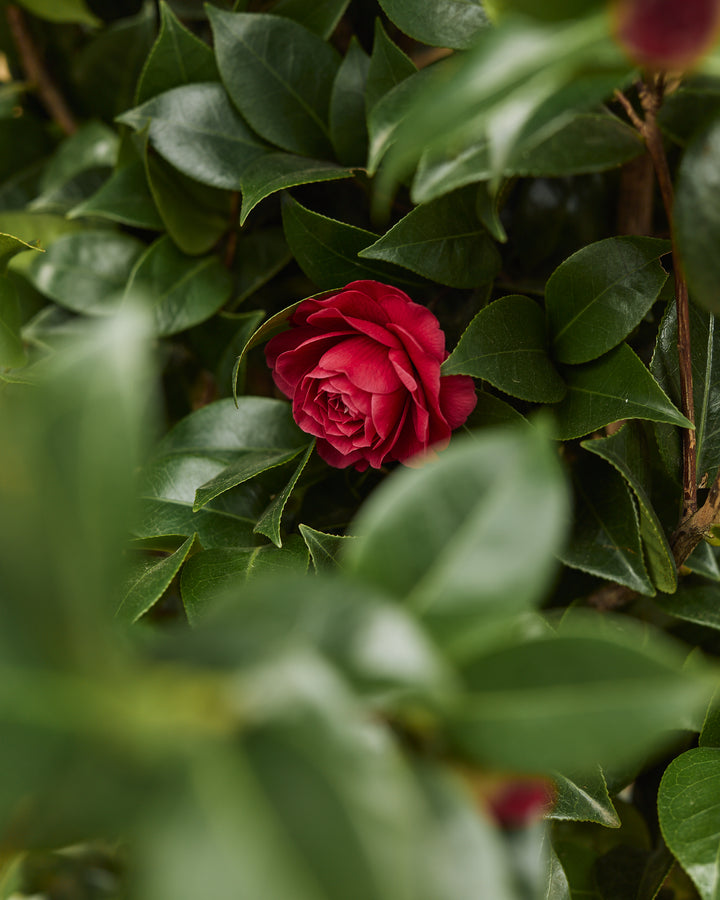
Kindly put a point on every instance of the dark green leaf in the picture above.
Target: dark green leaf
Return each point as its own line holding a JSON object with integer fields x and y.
{"x": 710, "y": 734}
{"x": 617, "y": 386}
{"x": 624, "y": 450}
{"x": 179, "y": 291}
{"x": 197, "y": 129}
{"x": 688, "y": 810}
{"x": 148, "y": 580}
{"x": 276, "y": 171}
{"x": 259, "y": 256}
{"x": 388, "y": 67}
{"x": 704, "y": 561}
{"x": 693, "y": 603}
{"x": 606, "y": 534}
{"x": 12, "y": 352}
{"x": 491, "y": 411}
{"x": 269, "y": 523}
{"x": 506, "y": 345}
{"x": 348, "y": 130}
{"x": 86, "y": 272}
{"x": 246, "y": 325}
{"x": 251, "y": 51}
{"x": 705, "y": 346}
{"x": 93, "y": 146}
{"x": 597, "y": 297}
{"x": 177, "y": 58}
{"x": 125, "y": 198}
{"x": 387, "y": 115}
{"x": 75, "y": 11}
{"x": 443, "y": 23}
{"x": 320, "y": 16}
{"x": 325, "y": 549}
{"x": 245, "y": 465}
{"x": 447, "y": 536}
{"x": 584, "y": 800}
{"x": 696, "y": 215}
{"x": 211, "y": 573}
{"x": 327, "y": 250}
{"x": 195, "y": 215}
{"x": 441, "y": 240}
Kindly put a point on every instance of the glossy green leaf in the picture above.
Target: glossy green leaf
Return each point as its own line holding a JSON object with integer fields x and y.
{"x": 198, "y": 130}
{"x": 327, "y": 250}
{"x": 705, "y": 346}
{"x": 211, "y": 573}
{"x": 444, "y": 23}
{"x": 625, "y": 451}
{"x": 148, "y": 580}
{"x": 693, "y": 603}
{"x": 245, "y": 326}
{"x": 178, "y": 290}
{"x": 584, "y": 800}
{"x": 446, "y": 537}
{"x": 600, "y": 294}
{"x": 75, "y": 11}
{"x": 86, "y": 272}
{"x": 506, "y": 345}
{"x": 348, "y": 130}
{"x": 704, "y": 561}
{"x": 573, "y": 700}
{"x": 93, "y": 146}
{"x": 274, "y": 172}
{"x": 251, "y": 51}
{"x": 177, "y": 58}
{"x": 259, "y": 255}
{"x": 605, "y": 540}
{"x": 689, "y": 814}
{"x": 390, "y": 111}
{"x": 616, "y": 386}
{"x": 12, "y": 352}
{"x": 325, "y": 549}
{"x": 125, "y": 198}
{"x": 195, "y": 215}
{"x": 491, "y": 411}
{"x": 388, "y": 67}
{"x": 696, "y": 217}
{"x": 321, "y": 16}
{"x": 246, "y": 465}
{"x": 269, "y": 523}
{"x": 442, "y": 240}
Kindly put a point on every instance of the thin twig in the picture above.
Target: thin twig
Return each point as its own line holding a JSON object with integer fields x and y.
{"x": 37, "y": 74}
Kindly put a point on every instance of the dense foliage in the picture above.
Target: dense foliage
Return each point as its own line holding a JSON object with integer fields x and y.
{"x": 237, "y": 665}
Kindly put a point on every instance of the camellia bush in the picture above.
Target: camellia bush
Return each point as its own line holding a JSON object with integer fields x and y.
{"x": 359, "y": 450}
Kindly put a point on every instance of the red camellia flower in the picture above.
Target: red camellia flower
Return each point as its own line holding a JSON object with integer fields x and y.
{"x": 667, "y": 34}
{"x": 362, "y": 368}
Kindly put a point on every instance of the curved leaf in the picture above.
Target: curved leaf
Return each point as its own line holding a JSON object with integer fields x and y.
{"x": 442, "y": 23}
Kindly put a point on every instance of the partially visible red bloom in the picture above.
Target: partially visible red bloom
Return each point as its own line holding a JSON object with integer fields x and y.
{"x": 362, "y": 368}
{"x": 516, "y": 804}
{"x": 667, "y": 35}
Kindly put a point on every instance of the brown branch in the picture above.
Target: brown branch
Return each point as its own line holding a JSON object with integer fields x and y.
{"x": 37, "y": 74}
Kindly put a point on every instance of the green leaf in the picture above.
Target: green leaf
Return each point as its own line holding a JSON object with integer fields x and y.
{"x": 177, "y": 58}
{"x": 573, "y": 700}
{"x": 260, "y": 254}
{"x": 269, "y": 523}
{"x": 348, "y": 130}
{"x": 601, "y": 293}
{"x": 390, "y": 111}
{"x": 705, "y": 346}
{"x": 704, "y": 561}
{"x": 38, "y": 230}
{"x": 75, "y": 11}
{"x": 211, "y": 573}
{"x": 195, "y": 215}
{"x": 606, "y": 532}
{"x": 148, "y": 580}
{"x": 246, "y": 465}
{"x": 93, "y": 146}
{"x": 441, "y": 240}
{"x": 86, "y": 272}
{"x": 696, "y": 217}
{"x": 617, "y": 386}
{"x": 447, "y": 538}
{"x": 325, "y": 549}
{"x": 689, "y": 816}
{"x": 251, "y": 51}
{"x": 125, "y": 198}
{"x": 693, "y": 603}
{"x": 443, "y": 23}
{"x": 491, "y": 411}
{"x": 506, "y": 345}
{"x": 710, "y": 734}
{"x": 12, "y": 352}
{"x": 178, "y": 290}
{"x": 584, "y": 800}
{"x": 274, "y": 172}
{"x": 624, "y": 450}
{"x": 320, "y": 16}
{"x": 198, "y": 130}
{"x": 388, "y": 67}
{"x": 10, "y": 246}
{"x": 327, "y": 250}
